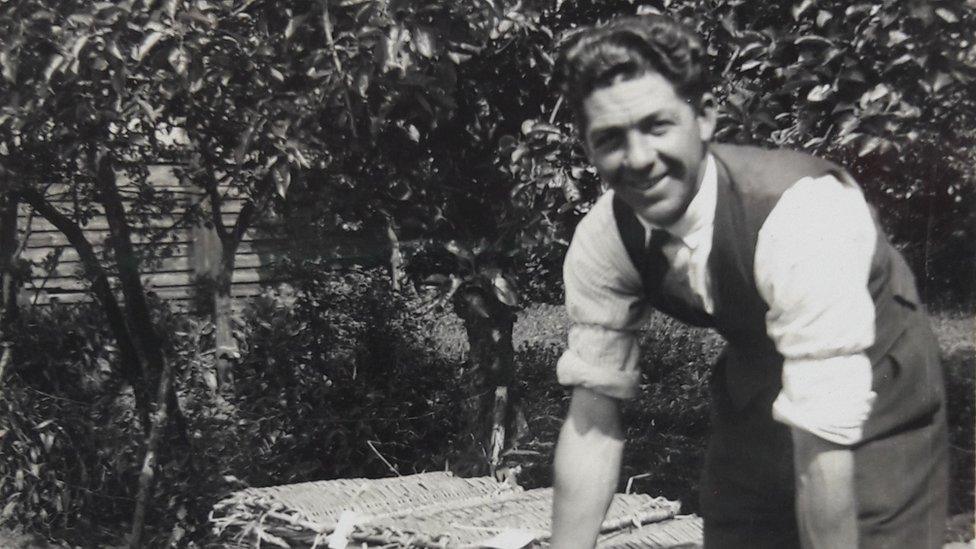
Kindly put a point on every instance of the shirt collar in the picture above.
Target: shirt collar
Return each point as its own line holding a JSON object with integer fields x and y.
{"x": 700, "y": 213}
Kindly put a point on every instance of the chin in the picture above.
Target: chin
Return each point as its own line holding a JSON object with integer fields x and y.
{"x": 663, "y": 220}
{"x": 658, "y": 212}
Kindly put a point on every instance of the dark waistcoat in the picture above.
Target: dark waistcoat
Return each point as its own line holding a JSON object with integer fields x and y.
{"x": 750, "y": 183}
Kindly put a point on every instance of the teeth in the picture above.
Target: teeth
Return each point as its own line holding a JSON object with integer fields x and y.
{"x": 646, "y": 184}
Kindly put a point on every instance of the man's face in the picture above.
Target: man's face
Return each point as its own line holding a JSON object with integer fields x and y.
{"x": 648, "y": 144}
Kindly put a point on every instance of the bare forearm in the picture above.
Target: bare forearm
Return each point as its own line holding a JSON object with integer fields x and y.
{"x": 587, "y": 467}
{"x": 825, "y": 502}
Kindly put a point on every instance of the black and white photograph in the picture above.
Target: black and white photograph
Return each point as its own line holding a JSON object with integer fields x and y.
{"x": 505, "y": 274}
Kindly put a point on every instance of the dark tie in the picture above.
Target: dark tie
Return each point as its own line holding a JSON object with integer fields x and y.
{"x": 655, "y": 261}
{"x": 675, "y": 283}
{"x": 673, "y": 287}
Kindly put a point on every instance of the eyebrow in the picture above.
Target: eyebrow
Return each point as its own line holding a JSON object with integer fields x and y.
{"x": 652, "y": 118}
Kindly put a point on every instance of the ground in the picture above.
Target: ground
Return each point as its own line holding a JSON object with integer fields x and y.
{"x": 546, "y": 324}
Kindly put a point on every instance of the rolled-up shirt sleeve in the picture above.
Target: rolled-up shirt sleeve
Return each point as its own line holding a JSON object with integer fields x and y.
{"x": 605, "y": 306}
{"x": 812, "y": 263}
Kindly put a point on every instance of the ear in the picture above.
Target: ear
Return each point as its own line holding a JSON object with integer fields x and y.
{"x": 582, "y": 130}
{"x": 586, "y": 143}
{"x": 707, "y": 116}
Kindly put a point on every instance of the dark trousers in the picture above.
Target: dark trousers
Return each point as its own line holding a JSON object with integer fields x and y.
{"x": 901, "y": 484}
{"x": 752, "y": 533}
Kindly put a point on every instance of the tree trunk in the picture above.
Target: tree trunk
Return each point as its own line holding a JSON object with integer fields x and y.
{"x": 223, "y": 274}
{"x": 148, "y": 472}
{"x": 140, "y": 322}
{"x": 132, "y": 365}
{"x": 227, "y": 352}
{"x": 136, "y": 307}
{"x": 498, "y": 431}
{"x": 138, "y": 315}
{"x": 397, "y": 274}
{"x": 488, "y": 379}
{"x": 8, "y": 258}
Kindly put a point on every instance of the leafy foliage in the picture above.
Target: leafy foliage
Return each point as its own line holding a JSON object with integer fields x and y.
{"x": 73, "y": 437}
{"x": 881, "y": 87}
{"x": 332, "y": 368}
{"x": 65, "y": 434}
{"x": 667, "y": 424}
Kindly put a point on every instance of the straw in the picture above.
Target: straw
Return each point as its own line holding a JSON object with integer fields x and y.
{"x": 432, "y": 510}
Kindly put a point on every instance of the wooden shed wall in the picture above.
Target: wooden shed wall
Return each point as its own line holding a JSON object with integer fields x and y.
{"x": 194, "y": 249}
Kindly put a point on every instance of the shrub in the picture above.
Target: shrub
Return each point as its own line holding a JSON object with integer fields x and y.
{"x": 540, "y": 276}
{"x": 66, "y": 452}
{"x": 337, "y": 379}
{"x": 667, "y": 424}
{"x": 70, "y": 441}
{"x": 544, "y": 404}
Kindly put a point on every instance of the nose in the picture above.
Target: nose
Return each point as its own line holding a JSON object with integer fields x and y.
{"x": 641, "y": 153}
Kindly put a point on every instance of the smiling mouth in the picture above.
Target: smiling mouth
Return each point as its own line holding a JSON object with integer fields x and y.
{"x": 644, "y": 184}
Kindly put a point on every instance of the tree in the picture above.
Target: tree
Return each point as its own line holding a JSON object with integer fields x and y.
{"x": 416, "y": 158}
{"x": 355, "y": 107}
{"x": 300, "y": 94}
{"x": 77, "y": 116}
{"x": 880, "y": 86}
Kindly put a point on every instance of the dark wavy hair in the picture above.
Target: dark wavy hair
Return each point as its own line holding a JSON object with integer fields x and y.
{"x": 628, "y": 48}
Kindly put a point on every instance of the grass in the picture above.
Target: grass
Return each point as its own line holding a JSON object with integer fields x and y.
{"x": 545, "y": 324}
{"x": 676, "y": 362}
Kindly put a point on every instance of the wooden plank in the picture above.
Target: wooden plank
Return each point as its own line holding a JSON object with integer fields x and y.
{"x": 58, "y": 285}
{"x": 165, "y": 280}
{"x": 62, "y": 194}
{"x": 101, "y": 230}
{"x": 150, "y": 281}
{"x": 46, "y": 298}
{"x": 239, "y": 291}
{"x": 228, "y": 207}
{"x": 159, "y": 175}
{"x": 51, "y": 239}
{"x": 74, "y": 271}
{"x": 100, "y": 223}
{"x": 69, "y": 255}
{"x": 125, "y": 185}
{"x": 72, "y": 267}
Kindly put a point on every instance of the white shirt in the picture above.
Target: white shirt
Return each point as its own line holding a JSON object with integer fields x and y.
{"x": 691, "y": 234}
{"x": 812, "y": 263}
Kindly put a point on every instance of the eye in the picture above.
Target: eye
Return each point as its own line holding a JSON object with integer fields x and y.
{"x": 607, "y": 140}
{"x": 655, "y": 126}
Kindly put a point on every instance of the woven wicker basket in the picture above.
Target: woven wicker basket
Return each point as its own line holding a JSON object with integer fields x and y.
{"x": 435, "y": 510}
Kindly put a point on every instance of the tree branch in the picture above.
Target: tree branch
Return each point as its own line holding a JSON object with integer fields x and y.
{"x": 251, "y": 210}
{"x": 132, "y": 366}
{"x": 211, "y": 187}
{"x": 327, "y": 24}
{"x": 244, "y": 219}
{"x": 120, "y": 239}
{"x": 137, "y": 308}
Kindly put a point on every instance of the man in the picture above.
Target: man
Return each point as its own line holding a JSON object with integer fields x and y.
{"x": 827, "y": 404}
